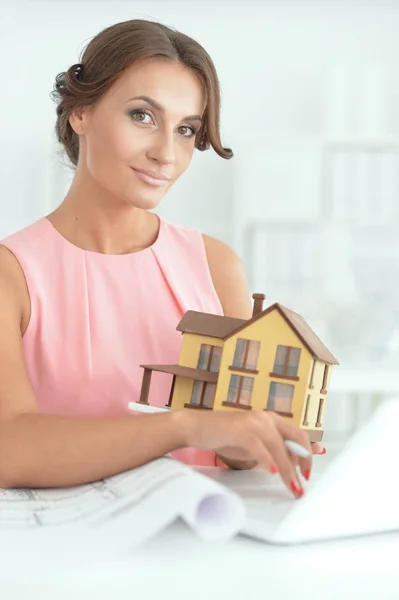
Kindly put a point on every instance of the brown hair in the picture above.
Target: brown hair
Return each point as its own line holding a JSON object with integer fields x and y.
{"x": 114, "y": 49}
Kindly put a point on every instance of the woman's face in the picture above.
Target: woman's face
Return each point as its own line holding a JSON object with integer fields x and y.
{"x": 139, "y": 138}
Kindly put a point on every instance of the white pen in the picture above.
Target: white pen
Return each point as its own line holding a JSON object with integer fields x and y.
{"x": 297, "y": 449}
{"x": 292, "y": 446}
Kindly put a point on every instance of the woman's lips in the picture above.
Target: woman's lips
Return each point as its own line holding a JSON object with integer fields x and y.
{"x": 154, "y": 179}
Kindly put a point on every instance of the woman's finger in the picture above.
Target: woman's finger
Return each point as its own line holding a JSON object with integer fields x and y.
{"x": 317, "y": 448}
{"x": 275, "y": 444}
{"x": 291, "y": 432}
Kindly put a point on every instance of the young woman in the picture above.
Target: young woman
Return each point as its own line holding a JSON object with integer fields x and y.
{"x": 96, "y": 288}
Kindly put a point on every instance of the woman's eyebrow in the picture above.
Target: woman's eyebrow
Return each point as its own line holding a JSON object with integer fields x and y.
{"x": 157, "y": 106}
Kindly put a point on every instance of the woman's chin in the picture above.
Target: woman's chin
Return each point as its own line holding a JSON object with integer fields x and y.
{"x": 146, "y": 201}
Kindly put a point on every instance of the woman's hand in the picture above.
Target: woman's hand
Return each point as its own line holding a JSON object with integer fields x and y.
{"x": 252, "y": 437}
{"x": 242, "y": 461}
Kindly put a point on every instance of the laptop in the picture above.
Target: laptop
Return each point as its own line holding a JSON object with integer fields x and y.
{"x": 356, "y": 494}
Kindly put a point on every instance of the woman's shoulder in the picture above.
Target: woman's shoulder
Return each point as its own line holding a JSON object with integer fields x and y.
{"x": 17, "y": 251}
{"x": 177, "y": 230}
{"x": 213, "y": 246}
{"x": 223, "y": 264}
{"x": 11, "y": 248}
{"x": 30, "y": 233}
{"x": 229, "y": 277}
{"x": 219, "y": 251}
{"x": 13, "y": 282}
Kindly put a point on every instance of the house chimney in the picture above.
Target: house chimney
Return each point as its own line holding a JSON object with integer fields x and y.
{"x": 258, "y": 303}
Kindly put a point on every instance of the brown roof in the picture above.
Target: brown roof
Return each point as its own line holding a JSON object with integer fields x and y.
{"x": 224, "y": 327}
{"x": 199, "y": 374}
{"x": 308, "y": 336}
{"x": 206, "y": 324}
{"x": 305, "y": 333}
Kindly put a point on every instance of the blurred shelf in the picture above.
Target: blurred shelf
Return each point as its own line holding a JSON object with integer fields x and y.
{"x": 371, "y": 144}
{"x": 365, "y": 380}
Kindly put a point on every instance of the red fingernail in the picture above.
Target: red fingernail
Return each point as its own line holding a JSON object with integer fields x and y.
{"x": 323, "y": 451}
{"x": 296, "y": 488}
{"x": 306, "y": 474}
{"x": 274, "y": 469}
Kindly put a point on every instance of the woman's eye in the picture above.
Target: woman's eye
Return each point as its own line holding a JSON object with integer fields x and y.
{"x": 186, "y": 131}
{"x": 141, "y": 116}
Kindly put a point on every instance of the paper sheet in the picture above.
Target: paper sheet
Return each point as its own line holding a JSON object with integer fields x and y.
{"x": 52, "y": 526}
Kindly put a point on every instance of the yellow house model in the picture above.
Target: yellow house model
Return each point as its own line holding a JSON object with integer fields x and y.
{"x": 272, "y": 361}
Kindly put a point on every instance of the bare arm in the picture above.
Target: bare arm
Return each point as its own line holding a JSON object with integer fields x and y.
{"x": 39, "y": 450}
{"x": 229, "y": 278}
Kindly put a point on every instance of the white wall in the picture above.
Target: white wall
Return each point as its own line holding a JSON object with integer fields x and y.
{"x": 275, "y": 60}
{"x": 310, "y": 107}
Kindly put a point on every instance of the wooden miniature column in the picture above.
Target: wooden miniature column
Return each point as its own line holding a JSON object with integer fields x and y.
{"x": 145, "y": 386}
{"x": 172, "y": 389}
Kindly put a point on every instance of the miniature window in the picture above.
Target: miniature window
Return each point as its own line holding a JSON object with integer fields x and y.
{"x": 286, "y": 361}
{"x": 246, "y": 354}
{"x": 240, "y": 390}
{"x": 325, "y": 378}
{"x": 319, "y": 412}
{"x": 280, "y": 397}
{"x": 311, "y": 386}
{"x": 209, "y": 358}
{"x": 305, "y": 416}
{"x": 203, "y": 394}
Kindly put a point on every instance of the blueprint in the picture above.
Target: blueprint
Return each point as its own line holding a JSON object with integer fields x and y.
{"x": 86, "y": 504}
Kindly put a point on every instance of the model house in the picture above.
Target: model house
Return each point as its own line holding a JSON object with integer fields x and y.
{"x": 272, "y": 361}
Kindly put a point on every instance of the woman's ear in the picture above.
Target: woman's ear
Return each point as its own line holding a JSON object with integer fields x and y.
{"x": 77, "y": 120}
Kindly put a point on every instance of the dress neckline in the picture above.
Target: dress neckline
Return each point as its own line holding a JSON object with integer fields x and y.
{"x": 100, "y": 255}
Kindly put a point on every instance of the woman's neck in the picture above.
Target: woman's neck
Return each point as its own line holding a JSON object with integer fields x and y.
{"x": 103, "y": 228}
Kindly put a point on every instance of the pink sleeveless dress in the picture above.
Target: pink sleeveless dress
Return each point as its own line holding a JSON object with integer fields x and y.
{"x": 96, "y": 317}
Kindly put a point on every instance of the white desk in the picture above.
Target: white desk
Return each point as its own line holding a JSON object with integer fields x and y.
{"x": 176, "y": 565}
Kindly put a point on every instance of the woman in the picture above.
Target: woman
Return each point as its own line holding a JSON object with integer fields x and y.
{"x": 97, "y": 287}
